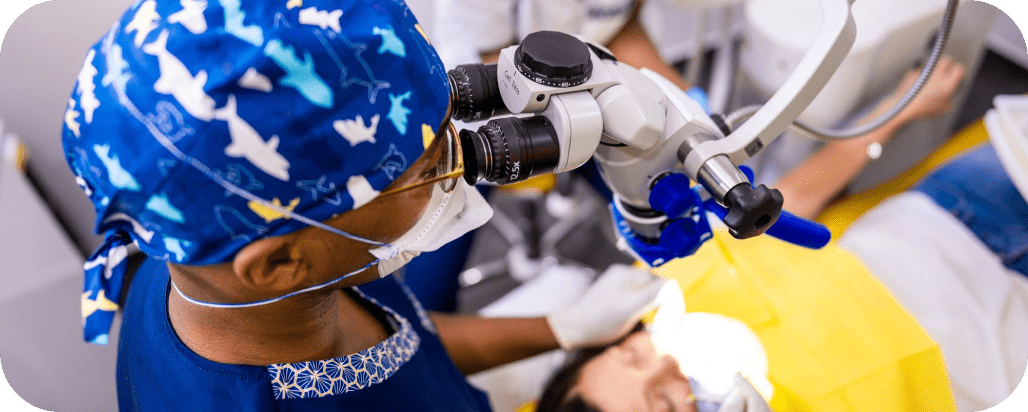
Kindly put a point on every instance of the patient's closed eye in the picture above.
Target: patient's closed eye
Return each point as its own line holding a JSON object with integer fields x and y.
{"x": 634, "y": 358}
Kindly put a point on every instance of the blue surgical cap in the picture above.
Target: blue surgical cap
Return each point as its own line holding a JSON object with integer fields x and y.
{"x": 197, "y": 127}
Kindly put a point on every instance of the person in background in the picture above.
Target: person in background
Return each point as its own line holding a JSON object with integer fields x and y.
{"x": 276, "y": 162}
{"x": 811, "y": 185}
{"x": 471, "y": 31}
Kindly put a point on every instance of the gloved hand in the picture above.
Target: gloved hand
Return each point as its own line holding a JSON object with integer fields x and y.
{"x": 687, "y": 228}
{"x": 608, "y": 309}
{"x": 743, "y": 398}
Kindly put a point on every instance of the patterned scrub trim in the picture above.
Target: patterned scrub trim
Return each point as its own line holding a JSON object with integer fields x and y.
{"x": 350, "y": 373}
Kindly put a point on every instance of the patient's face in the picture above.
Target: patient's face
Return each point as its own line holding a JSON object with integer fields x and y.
{"x": 631, "y": 377}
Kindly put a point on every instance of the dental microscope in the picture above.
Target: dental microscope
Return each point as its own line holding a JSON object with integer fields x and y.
{"x": 571, "y": 101}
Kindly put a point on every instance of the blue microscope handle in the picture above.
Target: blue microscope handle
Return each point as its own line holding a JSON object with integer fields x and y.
{"x": 800, "y": 231}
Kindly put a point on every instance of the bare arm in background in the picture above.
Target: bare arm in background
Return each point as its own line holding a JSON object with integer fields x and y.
{"x": 810, "y": 186}
{"x": 476, "y": 344}
{"x": 633, "y": 46}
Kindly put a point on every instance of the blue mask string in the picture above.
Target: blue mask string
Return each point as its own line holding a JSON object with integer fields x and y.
{"x": 272, "y": 300}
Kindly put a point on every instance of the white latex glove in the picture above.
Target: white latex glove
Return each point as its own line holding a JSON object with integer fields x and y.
{"x": 744, "y": 398}
{"x": 608, "y": 309}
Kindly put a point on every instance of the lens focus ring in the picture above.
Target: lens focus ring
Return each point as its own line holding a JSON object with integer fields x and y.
{"x": 500, "y": 151}
{"x": 511, "y": 149}
{"x": 475, "y": 93}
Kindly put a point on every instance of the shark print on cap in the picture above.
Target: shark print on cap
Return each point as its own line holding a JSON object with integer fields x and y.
{"x": 117, "y": 69}
{"x": 86, "y": 87}
{"x": 177, "y": 81}
{"x": 234, "y": 25}
{"x": 254, "y": 80}
{"x": 240, "y": 176}
{"x": 170, "y": 120}
{"x": 300, "y": 74}
{"x": 71, "y": 119}
{"x": 360, "y": 190}
{"x": 118, "y": 176}
{"x": 176, "y": 247}
{"x": 350, "y": 74}
{"x": 90, "y": 306}
{"x": 322, "y": 18}
{"x": 144, "y": 21}
{"x": 394, "y": 163}
{"x": 247, "y": 143}
{"x": 226, "y": 216}
{"x": 319, "y": 187}
{"x": 159, "y": 204}
{"x": 398, "y": 113}
{"x": 390, "y": 43}
{"x": 191, "y": 16}
{"x": 270, "y": 214}
{"x": 354, "y": 130}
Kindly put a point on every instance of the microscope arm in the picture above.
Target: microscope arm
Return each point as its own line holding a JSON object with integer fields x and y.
{"x": 833, "y": 42}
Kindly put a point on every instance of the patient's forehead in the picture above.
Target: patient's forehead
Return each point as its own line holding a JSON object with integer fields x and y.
{"x": 601, "y": 383}
{"x": 610, "y": 382}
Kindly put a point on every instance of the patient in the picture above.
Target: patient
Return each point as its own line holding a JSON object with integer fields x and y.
{"x": 645, "y": 370}
{"x": 936, "y": 270}
{"x": 628, "y": 376}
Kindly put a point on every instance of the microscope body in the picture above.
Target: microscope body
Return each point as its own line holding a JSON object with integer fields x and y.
{"x": 635, "y": 124}
{"x": 649, "y": 140}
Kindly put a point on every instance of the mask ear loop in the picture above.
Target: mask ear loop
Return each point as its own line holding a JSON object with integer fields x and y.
{"x": 272, "y": 300}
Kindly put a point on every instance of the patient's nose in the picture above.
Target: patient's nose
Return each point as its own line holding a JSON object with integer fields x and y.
{"x": 667, "y": 368}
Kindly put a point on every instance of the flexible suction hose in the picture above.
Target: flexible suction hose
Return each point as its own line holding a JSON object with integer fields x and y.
{"x": 830, "y": 135}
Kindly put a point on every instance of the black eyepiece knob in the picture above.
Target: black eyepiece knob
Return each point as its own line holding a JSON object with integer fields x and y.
{"x": 554, "y": 59}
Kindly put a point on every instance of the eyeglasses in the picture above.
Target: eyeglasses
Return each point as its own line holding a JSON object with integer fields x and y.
{"x": 441, "y": 163}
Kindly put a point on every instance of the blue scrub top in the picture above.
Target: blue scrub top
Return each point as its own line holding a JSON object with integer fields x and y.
{"x": 409, "y": 371}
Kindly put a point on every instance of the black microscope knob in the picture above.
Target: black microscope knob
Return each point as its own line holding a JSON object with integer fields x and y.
{"x": 554, "y": 59}
{"x": 751, "y": 211}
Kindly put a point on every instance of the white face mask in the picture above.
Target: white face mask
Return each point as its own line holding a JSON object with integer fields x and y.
{"x": 447, "y": 217}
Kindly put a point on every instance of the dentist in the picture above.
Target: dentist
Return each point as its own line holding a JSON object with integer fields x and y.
{"x": 276, "y": 162}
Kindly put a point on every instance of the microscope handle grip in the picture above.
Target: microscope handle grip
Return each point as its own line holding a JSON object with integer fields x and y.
{"x": 789, "y": 227}
{"x": 800, "y": 231}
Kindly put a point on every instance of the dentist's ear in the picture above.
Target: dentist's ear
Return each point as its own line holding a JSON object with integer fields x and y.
{"x": 271, "y": 264}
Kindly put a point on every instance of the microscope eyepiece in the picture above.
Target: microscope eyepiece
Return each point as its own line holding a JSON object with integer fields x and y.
{"x": 475, "y": 93}
{"x": 510, "y": 149}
